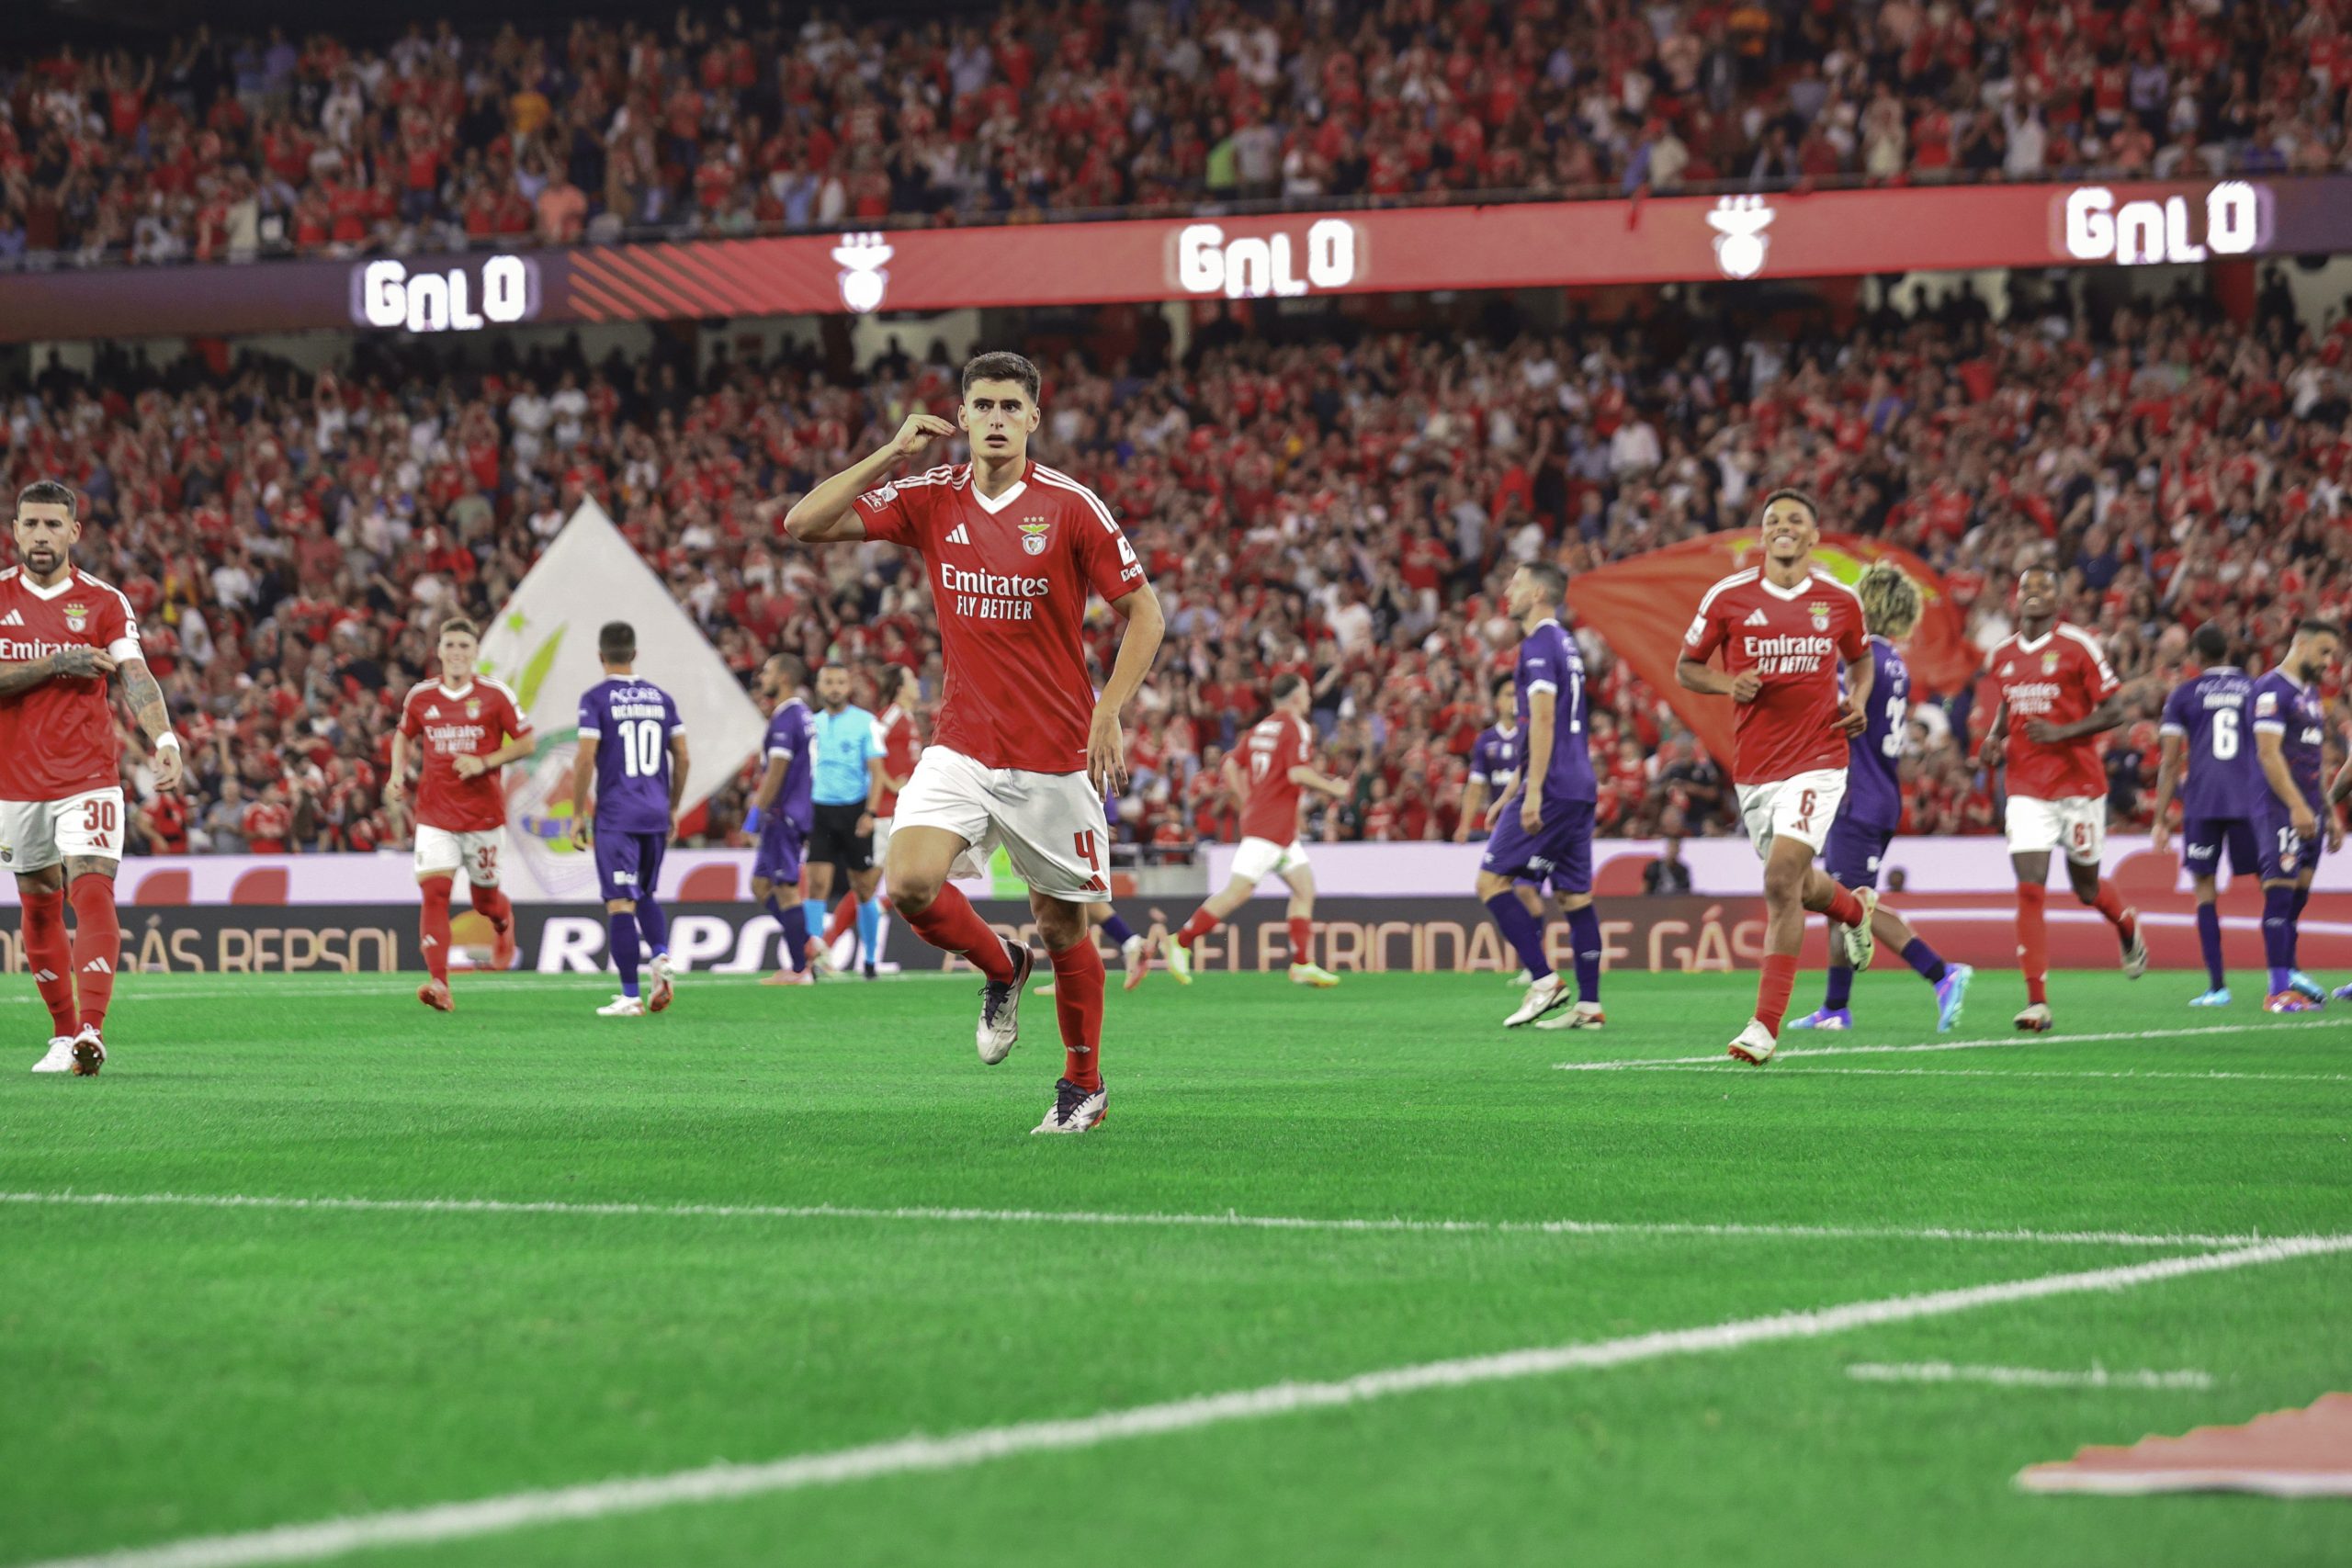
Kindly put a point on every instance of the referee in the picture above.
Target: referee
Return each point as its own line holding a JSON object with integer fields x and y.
{"x": 848, "y": 785}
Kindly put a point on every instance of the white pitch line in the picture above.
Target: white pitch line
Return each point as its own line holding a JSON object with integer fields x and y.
{"x": 1993, "y": 1042}
{"x": 727, "y": 1483}
{"x": 2023, "y": 1377}
{"x": 1711, "y": 1067}
{"x": 1379, "y": 1225}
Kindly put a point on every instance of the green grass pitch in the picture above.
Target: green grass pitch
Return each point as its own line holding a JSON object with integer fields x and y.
{"x": 170, "y": 1371}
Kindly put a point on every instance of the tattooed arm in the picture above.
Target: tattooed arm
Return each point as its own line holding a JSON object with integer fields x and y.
{"x": 146, "y": 699}
{"x": 75, "y": 662}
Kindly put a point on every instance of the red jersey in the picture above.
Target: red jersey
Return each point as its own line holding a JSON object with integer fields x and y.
{"x": 899, "y": 752}
{"x": 1793, "y": 639}
{"x": 2061, "y": 676}
{"x": 1009, "y": 579}
{"x": 57, "y": 740}
{"x": 472, "y": 721}
{"x": 1278, "y": 743}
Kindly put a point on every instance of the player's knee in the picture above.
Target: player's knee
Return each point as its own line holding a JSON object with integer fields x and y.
{"x": 1490, "y": 885}
{"x": 1061, "y": 926}
{"x": 911, "y": 888}
{"x": 1784, "y": 883}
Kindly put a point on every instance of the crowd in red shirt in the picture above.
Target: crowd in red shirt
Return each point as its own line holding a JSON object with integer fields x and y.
{"x": 1347, "y": 511}
{"x": 223, "y": 146}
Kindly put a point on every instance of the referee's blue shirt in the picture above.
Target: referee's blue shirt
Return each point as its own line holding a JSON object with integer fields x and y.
{"x": 847, "y": 743}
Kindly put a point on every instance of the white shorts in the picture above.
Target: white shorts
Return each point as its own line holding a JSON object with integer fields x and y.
{"x": 2077, "y": 823}
{"x": 881, "y": 837}
{"x": 438, "y": 851}
{"x": 1800, "y": 806}
{"x": 38, "y": 834}
{"x": 1050, "y": 824}
{"x": 1259, "y": 858}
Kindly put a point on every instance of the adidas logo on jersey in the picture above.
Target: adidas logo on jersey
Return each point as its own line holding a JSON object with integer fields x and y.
{"x": 43, "y": 977}
{"x": 957, "y": 535}
{"x": 97, "y": 966}
{"x": 1757, "y": 618}
{"x": 12, "y": 618}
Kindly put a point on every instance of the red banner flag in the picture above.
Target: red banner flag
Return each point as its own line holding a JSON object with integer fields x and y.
{"x": 1641, "y": 608}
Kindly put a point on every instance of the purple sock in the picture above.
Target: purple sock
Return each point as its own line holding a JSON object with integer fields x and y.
{"x": 2209, "y": 937}
{"x": 654, "y": 926}
{"x": 2279, "y": 933}
{"x": 1521, "y": 930}
{"x": 1920, "y": 956}
{"x": 624, "y": 929}
{"x": 1584, "y": 933}
{"x": 1841, "y": 987}
{"x": 793, "y": 933}
{"x": 1118, "y": 929}
{"x": 2302, "y": 897}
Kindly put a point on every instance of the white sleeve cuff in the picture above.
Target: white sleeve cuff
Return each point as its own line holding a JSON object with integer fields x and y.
{"x": 2271, "y": 727}
{"x": 123, "y": 648}
{"x": 587, "y": 734}
{"x": 1535, "y": 686}
{"x": 2173, "y": 730}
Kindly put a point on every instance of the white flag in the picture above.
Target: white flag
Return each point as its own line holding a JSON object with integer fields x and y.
{"x": 543, "y": 645}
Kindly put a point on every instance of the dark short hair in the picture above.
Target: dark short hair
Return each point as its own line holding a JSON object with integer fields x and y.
{"x": 2211, "y": 643}
{"x": 615, "y": 641}
{"x": 2318, "y": 628}
{"x": 1790, "y": 492}
{"x": 1001, "y": 365}
{"x": 458, "y": 624}
{"x": 1550, "y": 574}
{"x": 796, "y": 669}
{"x": 1286, "y": 684}
{"x": 1506, "y": 683}
{"x": 46, "y": 492}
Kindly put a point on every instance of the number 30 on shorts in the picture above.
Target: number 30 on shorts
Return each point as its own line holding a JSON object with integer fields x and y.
{"x": 99, "y": 821}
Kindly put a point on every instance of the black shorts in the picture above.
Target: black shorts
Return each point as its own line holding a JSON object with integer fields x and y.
{"x": 834, "y": 840}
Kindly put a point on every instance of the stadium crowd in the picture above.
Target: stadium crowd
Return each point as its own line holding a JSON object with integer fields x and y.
{"x": 1346, "y": 509}
{"x": 229, "y": 147}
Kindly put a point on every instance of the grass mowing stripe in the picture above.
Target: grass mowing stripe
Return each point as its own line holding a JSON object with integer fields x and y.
{"x": 1719, "y": 1060}
{"x": 1085, "y": 1217}
{"x": 723, "y": 1482}
{"x": 2020, "y": 1072}
{"x": 2023, "y": 1377}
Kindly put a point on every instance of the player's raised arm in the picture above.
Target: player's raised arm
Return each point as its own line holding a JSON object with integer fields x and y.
{"x": 1106, "y": 751}
{"x": 828, "y": 514}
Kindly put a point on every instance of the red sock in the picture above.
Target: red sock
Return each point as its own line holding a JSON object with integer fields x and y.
{"x": 1772, "y": 988}
{"x": 492, "y": 905}
{"x": 845, "y": 917}
{"x": 49, "y": 954}
{"x": 432, "y": 927}
{"x": 97, "y": 947}
{"x": 950, "y": 923}
{"x": 1301, "y": 939}
{"x": 2033, "y": 942}
{"x": 1077, "y": 1008}
{"x": 1844, "y": 908}
{"x": 2110, "y": 904}
{"x": 1199, "y": 926}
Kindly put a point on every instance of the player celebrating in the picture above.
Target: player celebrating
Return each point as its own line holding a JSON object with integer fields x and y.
{"x": 782, "y": 813}
{"x": 632, "y": 744}
{"x": 1543, "y": 828}
{"x": 61, "y": 818}
{"x": 1784, "y": 627}
{"x": 1281, "y": 748}
{"x": 1872, "y": 811}
{"x": 466, "y": 727}
{"x": 2205, "y": 726}
{"x": 2056, "y": 684}
{"x": 1023, "y": 747}
{"x": 2290, "y": 733}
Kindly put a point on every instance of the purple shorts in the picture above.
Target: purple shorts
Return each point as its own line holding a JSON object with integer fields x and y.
{"x": 2202, "y": 839}
{"x": 629, "y": 865}
{"x": 1854, "y": 850}
{"x": 1560, "y": 853}
{"x": 2284, "y": 855}
{"x": 777, "y": 859}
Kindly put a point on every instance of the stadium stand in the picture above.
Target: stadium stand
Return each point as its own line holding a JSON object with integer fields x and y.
{"x": 231, "y": 147}
{"x": 1347, "y": 509}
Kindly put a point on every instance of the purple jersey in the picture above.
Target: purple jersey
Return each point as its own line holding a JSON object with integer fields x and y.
{"x": 792, "y": 736}
{"x": 1548, "y": 662}
{"x": 1494, "y": 760}
{"x": 2281, "y": 706}
{"x": 2209, "y": 712}
{"x": 631, "y": 721}
{"x": 1874, "y": 790}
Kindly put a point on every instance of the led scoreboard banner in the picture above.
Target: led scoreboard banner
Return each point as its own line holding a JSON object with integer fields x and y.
{"x": 1283, "y": 256}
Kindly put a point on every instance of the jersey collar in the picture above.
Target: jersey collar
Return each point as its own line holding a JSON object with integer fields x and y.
{"x": 442, "y": 686}
{"x": 1012, "y": 492}
{"x": 2030, "y": 644}
{"x": 2284, "y": 674}
{"x": 1786, "y": 595}
{"x": 62, "y": 585}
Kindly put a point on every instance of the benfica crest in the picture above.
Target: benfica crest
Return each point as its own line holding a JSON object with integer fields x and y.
{"x": 473, "y": 707}
{"x": 1820, "y": 616}
{"x": 77, "y": 617}
{"x": 1032, "y": 535}
{"x": 2049, "y": 662}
